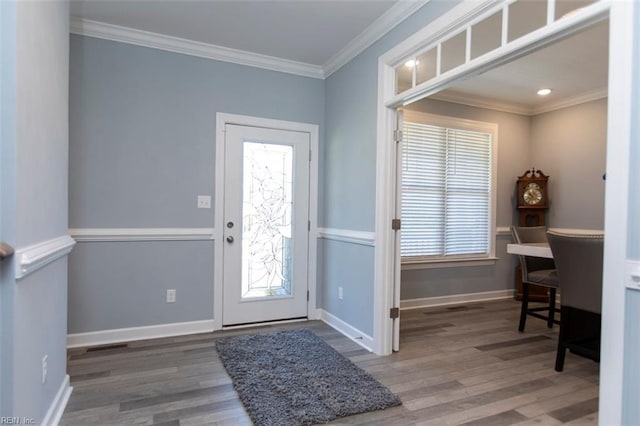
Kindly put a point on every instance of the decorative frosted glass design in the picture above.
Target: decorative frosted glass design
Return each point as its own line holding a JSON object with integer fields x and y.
{"x": 267, "y": 204}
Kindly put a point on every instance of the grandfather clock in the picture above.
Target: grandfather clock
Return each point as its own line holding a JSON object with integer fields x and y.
{"x": 533, "y": 203}
{"x": 532, "y": 198}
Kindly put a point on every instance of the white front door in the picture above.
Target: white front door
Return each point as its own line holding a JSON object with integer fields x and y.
{"x": 266, "y": 216}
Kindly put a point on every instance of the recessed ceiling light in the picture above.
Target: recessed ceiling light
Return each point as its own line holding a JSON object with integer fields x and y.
{"x": 411, "y": 63}
{"x": 544, "y": 92}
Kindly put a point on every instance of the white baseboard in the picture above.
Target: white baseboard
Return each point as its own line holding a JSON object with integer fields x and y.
{"x": 455, "y": 299}
{"x": 351, "y": 332}
{"x": 56, "y": 409}
{"x": 105, "y": 337}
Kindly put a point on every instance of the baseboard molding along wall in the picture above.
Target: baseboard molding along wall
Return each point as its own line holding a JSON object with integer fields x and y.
{"x": 59, "y": 403}
{"x": 351, "y": 332}
{"x": 455, "y": 299}
{"x": 105, "y": 337}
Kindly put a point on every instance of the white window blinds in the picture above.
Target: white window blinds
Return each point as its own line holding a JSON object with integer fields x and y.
{"x": 446, "y": 191}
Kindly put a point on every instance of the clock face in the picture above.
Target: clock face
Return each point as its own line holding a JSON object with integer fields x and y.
{"x": 532, "y": 194}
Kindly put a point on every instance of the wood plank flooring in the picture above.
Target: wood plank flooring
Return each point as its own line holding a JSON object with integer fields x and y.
{"x": 458, "y": 365}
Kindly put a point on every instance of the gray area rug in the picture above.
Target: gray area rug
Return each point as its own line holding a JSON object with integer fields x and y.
{"x": 295, "y": 378}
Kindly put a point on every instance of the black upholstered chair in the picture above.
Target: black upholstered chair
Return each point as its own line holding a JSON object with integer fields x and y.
{"x": 579, "y": 264}
{"x": 538, "y": 271}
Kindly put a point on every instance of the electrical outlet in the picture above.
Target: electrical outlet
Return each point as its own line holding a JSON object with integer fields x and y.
{"x": 204, "y": 201}
{"x": 171, "y": 295}
{"x": 45, "y": 368}
{"x": 340, "y": 293}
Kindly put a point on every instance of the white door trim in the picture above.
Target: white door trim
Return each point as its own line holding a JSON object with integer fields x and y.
{"x": 621, "y": 15}
{"x": 222, "y": 119}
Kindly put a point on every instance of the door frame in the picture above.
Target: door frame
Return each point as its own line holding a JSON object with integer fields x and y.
{"x": 222, "y": 119}
{"x": 621, "y": 44}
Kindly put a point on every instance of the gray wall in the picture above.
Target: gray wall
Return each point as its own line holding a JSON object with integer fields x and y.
{"x": 34, "y": 200}
{"x": 142, "y": 147}
{"x": 570, "y": 146}
{"x": 350, "y": 170}
{"x": 513, "y": 154}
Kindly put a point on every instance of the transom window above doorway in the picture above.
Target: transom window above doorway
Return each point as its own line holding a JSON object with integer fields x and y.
{"x": 497, "y": 27}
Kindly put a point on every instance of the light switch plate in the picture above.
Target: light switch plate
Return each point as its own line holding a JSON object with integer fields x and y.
{"x": 204, "y": 201}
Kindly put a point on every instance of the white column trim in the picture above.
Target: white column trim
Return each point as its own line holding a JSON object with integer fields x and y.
{"x": 141, "y": 234}
{"x": 31, "y": 258}
{"x": 364, "y": 238}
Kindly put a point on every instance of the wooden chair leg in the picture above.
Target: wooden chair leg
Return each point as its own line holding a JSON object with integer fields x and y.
{"x": 552, "y": 307}
{"x": 524, "y": 307}
{"x": 562, "y": 338}
{"x": 560, "y": 356}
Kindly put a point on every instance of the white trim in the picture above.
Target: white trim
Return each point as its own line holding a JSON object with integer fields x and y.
{"x": 381, "y": 26}
{"x": 621, "y": 133}
{"x": 118, "y": 335}
{"x": 503, "y": 231}
{"x": 493, "y": 104}
{"x": 193, "y": 48}
{"x": 456, "y": 299}
{"x": 141, "y": 234}
{"x": 59, "y": 403}
{"x": 31, "y": 258}
{"x": 222, "y": 119}
{"x": 348, "y": 236}
{"x": 346, "y": 329}
{"x": 448, "y": 263}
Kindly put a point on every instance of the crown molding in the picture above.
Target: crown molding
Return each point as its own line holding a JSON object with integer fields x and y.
{"x": 381, "y": 26}
{"x": 488, "y": 103}
{"x": 592, "y": 95}
{"x": 193, "y": 48}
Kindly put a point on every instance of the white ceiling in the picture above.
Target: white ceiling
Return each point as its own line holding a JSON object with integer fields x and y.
{"x": 308, "y": 31}
{"x": 575, "y": 68}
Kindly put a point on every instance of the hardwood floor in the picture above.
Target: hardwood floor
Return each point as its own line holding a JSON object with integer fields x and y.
{"x": 457, "y": 365}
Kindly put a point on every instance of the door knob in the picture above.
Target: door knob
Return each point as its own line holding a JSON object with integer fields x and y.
{"x": 5, "y": 251}
{"x": 229, "y": 239}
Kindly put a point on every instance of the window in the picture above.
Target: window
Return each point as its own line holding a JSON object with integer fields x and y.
{"x": 448, "y": 181}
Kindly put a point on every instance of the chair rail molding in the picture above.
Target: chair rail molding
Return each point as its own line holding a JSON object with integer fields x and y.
{"x": 364, "y": 238}
{"x": 141, "y": 234}
{"x": 31, "y": 258}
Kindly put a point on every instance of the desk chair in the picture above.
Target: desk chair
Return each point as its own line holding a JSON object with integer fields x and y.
{"x": 579, "y": 263}
{"x": 538, "y": 271}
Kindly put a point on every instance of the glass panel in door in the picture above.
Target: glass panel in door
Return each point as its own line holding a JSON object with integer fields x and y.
{"x": 266, "y": 210}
